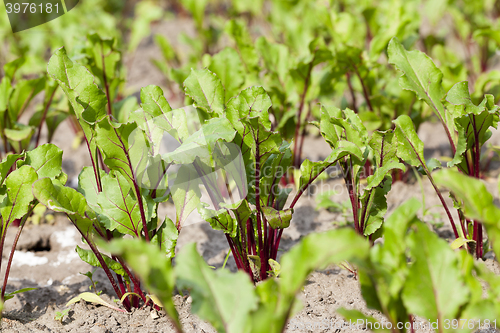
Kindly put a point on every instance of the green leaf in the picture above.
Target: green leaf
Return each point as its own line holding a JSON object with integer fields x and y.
{"x": 420, "y": 75}
{"x": 329, "y": 131}
{"x": 220, "y": 220}
{"x": 46, "y": 160}
{"x": 317, "y": 251}
{"x": 384, "y": 146}
{"x": 251, "y": 102}
{"x": 459, "y": 242}
{"x": 166, "y": 237}
{"x": 105, "y": 59}
{"x": 410, "y": 147}
{"x": 278, "y": 219}
{"x": 197, "y": 9}
{"x": 276, "y": 57}
{"x": 228, "y": 67}
{"x": 376, "y": 203}
{"x": 59, "y": 198}
{"x": 244, "y": 45}
{"x": 11, "y": 68}
{"x": 215, "y": 293}
{"x": 124, "y": 147}
{"x": 185, "y": 193}
{"x": 8, "y": 296}
{"x": 5, "y": 92}
{"x": 434, "y": 288}
{"x": 274, "y": 168}
{"x": 120, "y": 205}
{"x": 472, "y": 122}
{"x": 383, "y": 277}
{"x": 19, "y": 196}
{"x": 206, "y": 89}
{"x": 380, "y": 174}
{"x": 89, "y": 257}
{"x": 87, "y": 185}
{"x": 201, "y": 144}
{"x": 310, "y": 170}
{"x": 19, "y": 136}
{"x": 87, "y": 100}
{"x": 7, "y": 163}
{"x": 22, "y": 95}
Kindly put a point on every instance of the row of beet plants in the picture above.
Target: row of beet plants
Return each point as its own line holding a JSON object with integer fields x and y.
{"x": 225, "y": 147}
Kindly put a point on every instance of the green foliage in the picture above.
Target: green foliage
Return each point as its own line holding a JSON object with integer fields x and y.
{"x": 19, "y": 173}
{"x": 415, "y": 272}
{"x": 350, "y": 141}
{"x": 269, "y": 305}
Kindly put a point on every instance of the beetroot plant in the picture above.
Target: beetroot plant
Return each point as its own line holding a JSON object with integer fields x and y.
{"x": 18, "y": 173}
{"x": 466, "y": 125}
{"x": 344, "y": 130}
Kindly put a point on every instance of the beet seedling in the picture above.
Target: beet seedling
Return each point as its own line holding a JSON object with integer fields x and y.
{"x": 59, "y": 315}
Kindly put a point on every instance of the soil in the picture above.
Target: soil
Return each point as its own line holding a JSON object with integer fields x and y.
{"x": 46, "y": 259}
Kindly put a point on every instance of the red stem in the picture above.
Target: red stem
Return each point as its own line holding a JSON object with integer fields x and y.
{"x": 13, "y": 249}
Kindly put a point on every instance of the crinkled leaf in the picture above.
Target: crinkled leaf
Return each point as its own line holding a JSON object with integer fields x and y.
{"x": 220, "y": 220}
{"x": 251, "y": 102}
{"x": 384, "y": 147}
{"x": 89, "y": 257}
{"x": 277, "y": 219}
{"x": 19, "y": 196}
